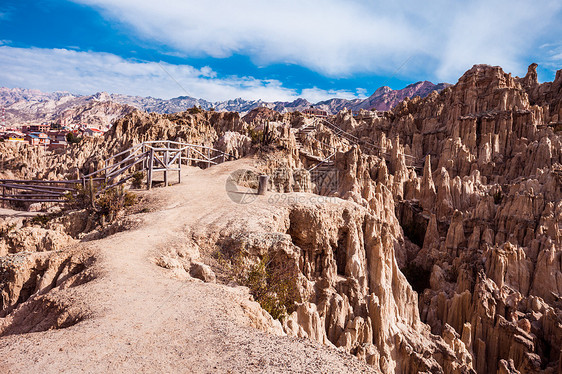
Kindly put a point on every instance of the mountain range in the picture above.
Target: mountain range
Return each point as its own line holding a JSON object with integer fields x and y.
{"x": 101, "y": 109}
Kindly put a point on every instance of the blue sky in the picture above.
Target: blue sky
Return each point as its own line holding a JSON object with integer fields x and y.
{"x": 274, "y": 50}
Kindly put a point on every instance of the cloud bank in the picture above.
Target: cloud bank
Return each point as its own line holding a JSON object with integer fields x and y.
{"x": 440, "y": 39}
{"x": 89, "y": 72}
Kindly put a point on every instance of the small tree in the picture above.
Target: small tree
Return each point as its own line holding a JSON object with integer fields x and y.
{"x": 71, "y": 138}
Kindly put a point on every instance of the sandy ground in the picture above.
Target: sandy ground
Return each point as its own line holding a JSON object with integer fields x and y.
{"x": 145, "y": 320}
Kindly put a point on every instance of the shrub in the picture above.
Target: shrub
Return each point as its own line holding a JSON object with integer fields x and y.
{"x": 5, "y": 230}
{"x": 271, "y": 283}
{"x": 497, "y": 197}
{"x": 105, "y": 205}
{"x": 113, "y": 201}
{"x": 263, "y": 137}
{"x": 138, "y": 178}
{"x": 43, "y": 219}
{"x": 255, "y": 135}
{"x": 72, "y": 139}
{"x": 195, "y": 110}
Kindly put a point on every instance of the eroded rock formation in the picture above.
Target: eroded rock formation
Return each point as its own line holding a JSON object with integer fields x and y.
{"x": 489, "y": 194}
{"x": 441, "y": 250}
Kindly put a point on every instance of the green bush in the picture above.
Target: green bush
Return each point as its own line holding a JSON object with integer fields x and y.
{"x": 264, "y": 137}
{"x": 72, "y": 139}
{"x": 5, "y": 230}
{"x": 271, "y": 283}
{"x": 43, "y": 219}
{"x": 497, "y": 197}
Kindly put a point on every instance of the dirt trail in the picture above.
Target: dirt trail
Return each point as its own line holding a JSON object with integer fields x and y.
{"x": 145, "y": 320}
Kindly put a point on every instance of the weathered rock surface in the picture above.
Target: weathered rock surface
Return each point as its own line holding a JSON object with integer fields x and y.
{"x": 489, "y": 196}
{"x": 442, "y": 248}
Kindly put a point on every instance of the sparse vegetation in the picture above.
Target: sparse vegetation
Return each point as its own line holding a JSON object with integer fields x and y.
{"x": 43, "y": 219}
{"x": 264, "y": 136}
{"x": 71, "y": 138}
{"x": 195, "y": 110}
{"x": 113, "y": 201}
{"x": 497, "y": 197}
{"x": 271, "y": 283}
{"x": 104, "y": 205}
{"x": 137, "y": 178}
{"x": 5, "y": 230}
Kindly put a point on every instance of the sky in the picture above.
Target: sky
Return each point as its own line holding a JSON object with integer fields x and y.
{"x": 270, "y": 50}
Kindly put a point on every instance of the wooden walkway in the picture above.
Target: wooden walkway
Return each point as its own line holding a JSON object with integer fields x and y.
{"x": 152, "y": 156}
{"x": 411, "y": 161}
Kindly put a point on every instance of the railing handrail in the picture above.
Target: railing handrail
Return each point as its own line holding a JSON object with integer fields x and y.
{"x": 111, "y": 173}
{"x": 358, "y": 141}
{"x": 322, "y": 162}
{"x": 185, "y": 145}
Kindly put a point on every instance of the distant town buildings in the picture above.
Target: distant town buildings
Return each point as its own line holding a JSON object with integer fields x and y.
{"x": 46, "y": 134}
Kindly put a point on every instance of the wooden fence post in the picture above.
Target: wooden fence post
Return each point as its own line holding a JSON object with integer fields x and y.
{"x": 150, "y": 167}
{"x": 143, "y": 150}
{"x": 209, "y": 157}
{"x": 179, "y": 167}
{"x": 166, "y": 166}
{"x": 262, "y": 186}
{"x": 92, "y": 193}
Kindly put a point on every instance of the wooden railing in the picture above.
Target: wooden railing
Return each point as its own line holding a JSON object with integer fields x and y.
{"x": 151, "y": 156}
{"x": 36, "y": 191}
{"x": 411, "y": 161}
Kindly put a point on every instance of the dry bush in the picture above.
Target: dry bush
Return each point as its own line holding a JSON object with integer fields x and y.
{"x": 114, "y": 200}
{"x": 106, "y": 205}
{"x": 137, "y": 179}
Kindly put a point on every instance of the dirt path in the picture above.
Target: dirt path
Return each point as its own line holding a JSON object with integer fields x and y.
{"x": 145, "y": 320}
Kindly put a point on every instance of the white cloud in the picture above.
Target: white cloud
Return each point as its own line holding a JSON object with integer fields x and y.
{"x": 315, "y": 94}
{"x": 342, "y": 37}
{"x": 90, "y": 72}
{"x": 554, "y": 53}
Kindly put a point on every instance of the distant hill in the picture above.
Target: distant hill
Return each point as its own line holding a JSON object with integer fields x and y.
{"x": 386, "y": 98}
{"x": 101, "y": 109}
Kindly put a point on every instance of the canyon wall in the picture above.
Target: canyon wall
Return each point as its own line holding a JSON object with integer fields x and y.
{"x": 483, "y": 216}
